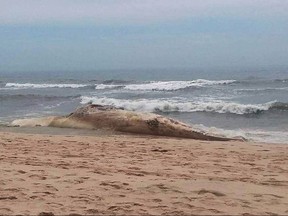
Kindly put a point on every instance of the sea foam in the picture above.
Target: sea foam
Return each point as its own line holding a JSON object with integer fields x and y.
{"x": 44, "y": 85}
{"x": 104, "y": 86}
{"x": 253, "y": 135}
{"x": 165, "y": 85}
{"x": 174, "y": 105}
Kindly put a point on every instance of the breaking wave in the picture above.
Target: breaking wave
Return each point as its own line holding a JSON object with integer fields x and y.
{"x": 166, "y": 85}
{"x": 172, "y": 105}
{"x": 6, "y": 97}
{"x": 126, "y": 85}
{"x": 104, "y": 86}
{"x": 43, "y": 85}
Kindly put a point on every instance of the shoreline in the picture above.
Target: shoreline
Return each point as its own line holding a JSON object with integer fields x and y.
{"x": 139, "y": 174}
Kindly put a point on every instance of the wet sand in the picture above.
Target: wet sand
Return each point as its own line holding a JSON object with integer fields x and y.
{"x": 131, "y": 174}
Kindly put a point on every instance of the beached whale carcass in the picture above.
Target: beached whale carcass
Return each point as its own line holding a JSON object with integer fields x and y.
{"x": 108, "y": 117}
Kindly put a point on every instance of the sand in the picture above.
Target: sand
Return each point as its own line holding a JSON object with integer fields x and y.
{"x": 131, "y": 175}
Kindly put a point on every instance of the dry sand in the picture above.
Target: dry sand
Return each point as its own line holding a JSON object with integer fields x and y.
{"x": 123, "y": 174}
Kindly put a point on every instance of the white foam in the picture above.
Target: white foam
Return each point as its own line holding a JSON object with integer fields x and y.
{"x": 230, "y": 107}
{"x": 268, "y": 136}
{"x": 44, "y": 85}
{"x": 104, "y": 86}
{"x": 133, "y": 105}
{"x": 175, "y": 85}
{"x": 255, "y": 135}
{"x": 172, "y": 105}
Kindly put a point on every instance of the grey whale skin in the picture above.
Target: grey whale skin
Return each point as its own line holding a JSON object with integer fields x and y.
{"x": 108, "y": 117}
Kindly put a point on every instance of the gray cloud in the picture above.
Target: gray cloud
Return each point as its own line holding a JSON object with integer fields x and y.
{"x": 133, "y": 11}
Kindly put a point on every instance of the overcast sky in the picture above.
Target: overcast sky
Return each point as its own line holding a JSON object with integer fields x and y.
{"x": 111, "y": 34}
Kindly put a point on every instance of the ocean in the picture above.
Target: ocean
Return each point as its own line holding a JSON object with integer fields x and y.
{"x": 234, "y": 102}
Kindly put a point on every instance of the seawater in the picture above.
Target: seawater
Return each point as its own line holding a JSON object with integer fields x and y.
{"x": 251, "y": 102}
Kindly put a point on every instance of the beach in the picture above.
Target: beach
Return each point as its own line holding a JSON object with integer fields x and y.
{"x": 143, "y": 107}
{"x": 123, "y": 174}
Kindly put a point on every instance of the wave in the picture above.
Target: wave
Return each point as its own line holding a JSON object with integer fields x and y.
{"x": 35, "y": 96}
{"x": 279, "y": 106}
{"x": 103, "y": 86}
{"x": 263, "y": 89}
{"x": 176, "y": 85}
{"x": 43, "y": 85}
{"x": 173, "y": 105}
{"x": 281, "y": 80}
{"x": 258, "y": 80}
{"x": 116, "y": 84}
{"x": 164, "y": 85}
{"x": 116, "y": 81}
{"x": 254, "y": 135}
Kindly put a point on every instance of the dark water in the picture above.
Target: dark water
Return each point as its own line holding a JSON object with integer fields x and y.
{"x": 251, "y": 103}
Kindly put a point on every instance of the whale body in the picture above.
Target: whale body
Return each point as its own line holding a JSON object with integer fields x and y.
{"x": 108, "y": 117}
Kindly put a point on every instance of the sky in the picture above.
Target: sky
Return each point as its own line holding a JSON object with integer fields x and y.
{"x": 49, "y": 35}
